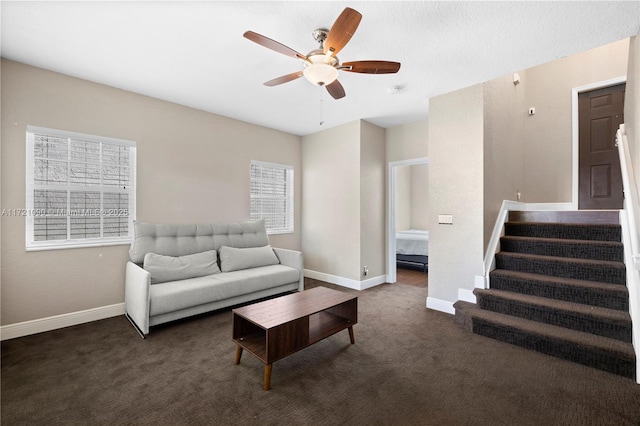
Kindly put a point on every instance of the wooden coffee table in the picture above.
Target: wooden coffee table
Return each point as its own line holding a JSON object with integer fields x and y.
{"x": 276, "y": 328}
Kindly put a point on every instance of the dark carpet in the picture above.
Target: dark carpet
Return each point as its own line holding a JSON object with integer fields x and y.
{"x": 409, "y": 366}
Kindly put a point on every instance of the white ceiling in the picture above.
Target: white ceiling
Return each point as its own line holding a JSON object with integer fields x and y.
{"x": 193, "y": 53}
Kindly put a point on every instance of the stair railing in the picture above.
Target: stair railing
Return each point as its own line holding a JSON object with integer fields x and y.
{"x": 629, "y": 223}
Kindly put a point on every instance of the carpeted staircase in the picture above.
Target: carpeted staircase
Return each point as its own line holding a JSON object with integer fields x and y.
{"x": 559, "y": 288}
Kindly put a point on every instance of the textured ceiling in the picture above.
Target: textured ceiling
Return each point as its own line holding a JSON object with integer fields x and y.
{"x": 193, "y": 53}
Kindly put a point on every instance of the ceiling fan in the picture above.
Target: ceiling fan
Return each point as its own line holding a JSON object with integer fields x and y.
{"x": 321, "y": 65}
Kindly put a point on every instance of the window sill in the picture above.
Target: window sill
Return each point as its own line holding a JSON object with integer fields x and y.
{"x": 279, "y": 232}
{"x": 76, "y": 245}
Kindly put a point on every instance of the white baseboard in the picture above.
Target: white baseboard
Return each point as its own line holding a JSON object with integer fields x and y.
{"x": 481, "y": 282}
{"x": 440, "y": 305}
{"x": 11, "y": 331}
{"x": 466, "y": 295}
{"x": 345, "y": 282}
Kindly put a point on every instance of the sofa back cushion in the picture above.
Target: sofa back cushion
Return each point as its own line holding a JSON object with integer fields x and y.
{"x": 171, "y": 268}
{"x": 180, "y": 240}
{"x": 234, "y": 259}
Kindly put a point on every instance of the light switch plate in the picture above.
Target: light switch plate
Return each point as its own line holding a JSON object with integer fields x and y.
{"x": 446, "y": 219}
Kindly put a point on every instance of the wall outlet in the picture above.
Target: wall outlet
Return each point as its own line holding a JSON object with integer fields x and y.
{"x": 365, "y": 270}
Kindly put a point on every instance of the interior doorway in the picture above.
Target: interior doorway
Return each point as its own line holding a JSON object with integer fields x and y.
{"x": 597, "y": 113}
{"x": 393, "y": 191}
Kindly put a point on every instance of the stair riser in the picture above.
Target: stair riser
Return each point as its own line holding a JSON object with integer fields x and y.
{"x": 558, "y": 291}
{"x": 566, "y": 319}
{"x": 570, "y": 232}
{"x": 591, "y": 357}
{"x": 593, "y": 251}
{"x": 563, "y": 268}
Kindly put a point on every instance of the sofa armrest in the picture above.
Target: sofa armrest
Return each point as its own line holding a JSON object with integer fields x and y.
{"x": 136, "y": 296}
{"x": 291, "y": 258}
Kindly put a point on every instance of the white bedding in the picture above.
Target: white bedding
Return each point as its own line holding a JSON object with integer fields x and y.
{"x": 412, "y": 241}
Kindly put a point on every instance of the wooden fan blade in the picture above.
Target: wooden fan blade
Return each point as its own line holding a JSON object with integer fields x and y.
{"x": 371, "y": 67}
{"x": 273, "y": 45}
{"x": 335, "y": 89}
{"x": 284, "y": 79}
{"x": 342, "y": 31}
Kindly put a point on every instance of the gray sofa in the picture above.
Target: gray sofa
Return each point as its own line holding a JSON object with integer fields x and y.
{"x": 175, "y": 271}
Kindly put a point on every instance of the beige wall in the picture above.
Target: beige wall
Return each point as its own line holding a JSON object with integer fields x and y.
{"x": 420, "y": 196}
{"x": 504, "y": 146}
{"x": 632, "y": 109}
{"x": 372, "y": 199}
{"x": 533, "y": 155}
{"x": 412, "y": 197}
{"x": 632, "y": 105}
{"x": 192, "y": 166}
{"x": 343, "y": 207}
{"x": 548, "y": 145}
{"x": 331, "y": 205}
{"x": 403, "y": 198}
{"x": 495, "y": 150}
{"x": 456, "y": 188}
{"x": 407, "y": 141}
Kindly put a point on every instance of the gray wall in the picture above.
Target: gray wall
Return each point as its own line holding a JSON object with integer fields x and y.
{"x": 193, "y": 167}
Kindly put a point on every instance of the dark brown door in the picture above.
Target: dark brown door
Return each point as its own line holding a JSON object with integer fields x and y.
{"x": 600, "y": 114}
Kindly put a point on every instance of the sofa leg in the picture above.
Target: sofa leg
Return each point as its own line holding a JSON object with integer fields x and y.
{"x": 135, "y": 326}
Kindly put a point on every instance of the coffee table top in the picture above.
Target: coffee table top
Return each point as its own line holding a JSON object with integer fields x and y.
{"x": 274, "y": 312}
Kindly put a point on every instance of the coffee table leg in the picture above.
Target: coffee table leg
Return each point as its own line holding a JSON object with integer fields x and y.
{"x": 353, "y": 340}
{"x": 238, "y": 354}
{"x": 267, "y": 376}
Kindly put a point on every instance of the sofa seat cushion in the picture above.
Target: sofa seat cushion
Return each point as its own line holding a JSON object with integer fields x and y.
{"x": 176, "y": 295}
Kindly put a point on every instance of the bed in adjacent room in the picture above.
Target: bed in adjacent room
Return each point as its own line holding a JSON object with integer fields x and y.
{"x": 412, "y": 248}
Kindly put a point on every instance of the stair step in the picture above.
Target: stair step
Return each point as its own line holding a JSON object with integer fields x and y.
{"x": 571, "y": 231}
{"x": 605, "y": 322}
{"x": 595, "y": 351}
{"x": 581, "y": 269}
{"x": 611, "y": 296}
{"x": 580, "y": 249}
{"x": 567, "y": 216}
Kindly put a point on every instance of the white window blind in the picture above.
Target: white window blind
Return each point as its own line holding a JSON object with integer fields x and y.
{"x": 272, "y": 196}
{"x": 80, "y": 190}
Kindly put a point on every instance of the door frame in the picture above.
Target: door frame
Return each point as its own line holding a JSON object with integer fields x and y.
{"x": 575, "y": 195}
{"x": 391, "y": 211}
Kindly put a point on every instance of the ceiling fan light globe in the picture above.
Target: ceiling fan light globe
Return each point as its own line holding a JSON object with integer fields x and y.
{"x": 319, "y": 72}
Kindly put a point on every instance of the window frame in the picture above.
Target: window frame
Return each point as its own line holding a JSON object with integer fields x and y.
{"x": 30, "y": 212}
{"x": 289, "y": 177}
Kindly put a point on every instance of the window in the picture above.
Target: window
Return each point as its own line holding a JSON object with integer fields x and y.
{"x": 80, "y": 190}
{"x": 272, "y": 196}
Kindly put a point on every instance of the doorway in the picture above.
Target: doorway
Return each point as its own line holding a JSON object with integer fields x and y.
{"x": 597, "y": 113}
{"x": 395, "y": 172}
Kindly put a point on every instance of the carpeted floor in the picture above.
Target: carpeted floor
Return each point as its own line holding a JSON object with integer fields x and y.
{"x": 409, "y": 366}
